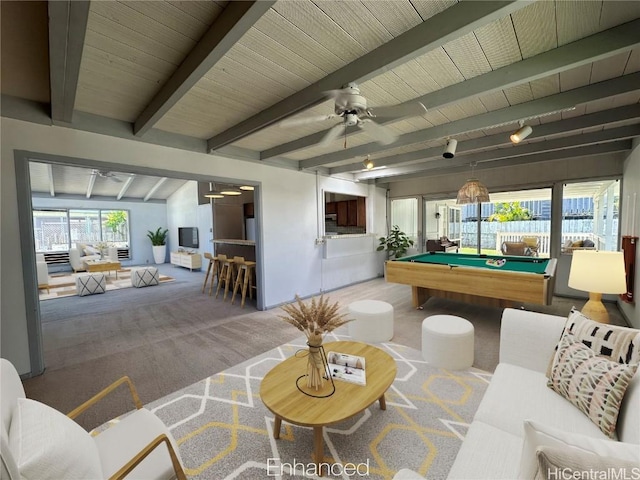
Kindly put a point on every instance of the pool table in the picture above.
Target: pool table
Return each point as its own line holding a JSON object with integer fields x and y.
{"x": 492, "y": 280}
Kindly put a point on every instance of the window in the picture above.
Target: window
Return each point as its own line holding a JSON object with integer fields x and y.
{"x": 60, "y": 229}
{"x": 590, "y": 216}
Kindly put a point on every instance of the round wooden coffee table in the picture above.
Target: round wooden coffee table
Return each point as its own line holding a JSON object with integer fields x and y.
{"x": 280, "y": 395}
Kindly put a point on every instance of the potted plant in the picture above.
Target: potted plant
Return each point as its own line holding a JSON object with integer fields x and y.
{"x": 396, "y": 243}
{"x": 159, "y": 242}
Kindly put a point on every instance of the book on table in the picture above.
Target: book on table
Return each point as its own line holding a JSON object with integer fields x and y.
{"x": 348, "y": 368}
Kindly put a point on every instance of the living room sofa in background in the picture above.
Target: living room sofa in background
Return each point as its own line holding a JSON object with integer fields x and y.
{"x": 493, "y": 446}
{"x": 82, "y": 252}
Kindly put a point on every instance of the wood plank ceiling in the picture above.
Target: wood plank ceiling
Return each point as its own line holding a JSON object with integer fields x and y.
{"x": 229, "y": 72}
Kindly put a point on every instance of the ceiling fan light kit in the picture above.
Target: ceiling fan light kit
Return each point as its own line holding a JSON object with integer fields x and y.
{"x": 352, "y": 109}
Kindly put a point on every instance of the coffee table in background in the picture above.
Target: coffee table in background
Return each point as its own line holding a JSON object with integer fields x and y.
{"x": 281, "y": 396}
{"x": 102, "y": 266}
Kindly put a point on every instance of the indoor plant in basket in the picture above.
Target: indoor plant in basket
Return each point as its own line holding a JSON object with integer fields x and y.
{"x": 396, "y": 243}
{"x": 159, "y": 243}
{"x": 315, "y": 320}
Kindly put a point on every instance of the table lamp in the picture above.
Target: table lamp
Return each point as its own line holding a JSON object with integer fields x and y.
{"x": 597, "y": 273}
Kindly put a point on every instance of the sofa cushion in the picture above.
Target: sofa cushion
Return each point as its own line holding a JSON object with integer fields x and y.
{"x": 46, "y": 444}
{"x": 516, "y": 393}
{"x": 554, "y": 462}
{"x": 538, "y": 435}
{"x": 487, "y": 453}
{"x": 592, "y": 383}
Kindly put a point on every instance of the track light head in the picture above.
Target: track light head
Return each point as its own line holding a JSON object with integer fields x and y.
{"x": 523, "y": 132}
{"x": 368, "y": 163}
{"x": 450, "y": 148}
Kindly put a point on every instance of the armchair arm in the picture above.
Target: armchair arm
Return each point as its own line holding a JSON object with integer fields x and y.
{"x": 93, "y": 400}
{"x": 131, "y": 464}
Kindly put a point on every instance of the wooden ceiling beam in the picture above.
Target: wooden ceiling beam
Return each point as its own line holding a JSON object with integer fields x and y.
{"x": 236, "y": 19}
{"x": 604, "y": 117}
{"x": 154, "y": 188}
{"x": 126, "y": 186}
{"x": 535, "y": 108}
{"x": 581, "y": 52}
{"x": 92, "y": 182}
{"x": 67, "y": 28}
{"x": 454, "y": 22}
{"x": 52, "y": 189}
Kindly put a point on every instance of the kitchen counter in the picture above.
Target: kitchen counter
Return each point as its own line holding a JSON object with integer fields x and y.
{"x": 235, "y": 247}
{"x": 232, "y": 241}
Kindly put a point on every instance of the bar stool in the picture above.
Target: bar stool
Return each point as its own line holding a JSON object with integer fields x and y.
{"x": 244, "y": 275}
{"x": 212, "y": 261}
{"x": 225, "y": 274}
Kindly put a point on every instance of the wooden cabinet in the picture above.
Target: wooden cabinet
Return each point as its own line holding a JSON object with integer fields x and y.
{"x": 342, "y": 210}
{"x": 362, "y": 212}
{"x": 186, "y": 260}
{"x": 330, "y": 208}
{"x": 248, "y": 210}
{"x": 350, "y": 213}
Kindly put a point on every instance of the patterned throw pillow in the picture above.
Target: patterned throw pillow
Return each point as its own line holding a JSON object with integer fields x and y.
{"x": 592, "y": 383}
{"x": 619, "y": 344}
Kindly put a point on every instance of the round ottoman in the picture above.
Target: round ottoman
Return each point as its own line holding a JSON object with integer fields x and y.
{"x": 447, "y": 342}
{"x": 373, "y": 321}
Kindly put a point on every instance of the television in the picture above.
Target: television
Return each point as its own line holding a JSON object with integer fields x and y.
{"x": 188, "y": 237}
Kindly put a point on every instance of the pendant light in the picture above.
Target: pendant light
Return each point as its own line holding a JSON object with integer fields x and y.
{"x": 213, "y": 193}
{"x": 474, "y": 191}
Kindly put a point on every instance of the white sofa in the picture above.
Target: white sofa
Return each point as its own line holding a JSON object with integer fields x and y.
{"x": 42, "y": 271}
{"x": 78, "y": 255}
{"x": 493, "y": 446}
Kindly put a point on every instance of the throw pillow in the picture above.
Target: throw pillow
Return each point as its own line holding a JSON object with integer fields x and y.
{"x": 620, "y": 344}
{"x": 588, "y": 243}
{"x": 49, "y": 445}
{"x": 89, "y": 250}
{"x": 594, "y": 384}
{"x": 538, "y": 435}
{"x": 559, "y": 463}
{"x": 577, "y": 244}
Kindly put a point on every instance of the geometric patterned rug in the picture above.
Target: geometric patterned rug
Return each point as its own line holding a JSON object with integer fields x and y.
{"x": 225, "y": 432}
{"x": 64, "y": 284}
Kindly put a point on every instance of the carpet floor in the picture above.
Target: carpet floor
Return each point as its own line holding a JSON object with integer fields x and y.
{"x": 225, "y": 432}
{"x": 64, "y": 284}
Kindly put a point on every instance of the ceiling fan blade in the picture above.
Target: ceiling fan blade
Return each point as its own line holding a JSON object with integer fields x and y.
{"x": 292, "y": 122}
{"x": 332, "y": 135}
{"x": 381, "y": 134}
{"x": 407, "y": 109}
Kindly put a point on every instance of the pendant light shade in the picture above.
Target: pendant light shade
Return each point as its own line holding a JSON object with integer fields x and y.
{"x": 231, "y": 191}
{"x": 212, "y": 193}
{"x": 472, "y": 192}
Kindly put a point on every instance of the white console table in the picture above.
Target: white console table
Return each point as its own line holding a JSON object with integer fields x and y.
{"x": 187, "y": 260}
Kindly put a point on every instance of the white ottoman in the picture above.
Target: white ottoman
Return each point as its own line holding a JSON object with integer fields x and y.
{"x": 90, "y": 284}
{"x": 144, "y": 277}
{"x": 447, "y": 342}
{"x": 373, "y": 321}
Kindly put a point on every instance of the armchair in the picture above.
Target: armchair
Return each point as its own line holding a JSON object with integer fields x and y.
{"x": 40, "y": 442}
{"x": 520, "y": 249}
{"x": 78, "y": 255}
{"x": 42, "y": 272}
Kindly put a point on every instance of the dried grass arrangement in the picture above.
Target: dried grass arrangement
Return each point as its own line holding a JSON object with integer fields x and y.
{"x": 314, "y": 319}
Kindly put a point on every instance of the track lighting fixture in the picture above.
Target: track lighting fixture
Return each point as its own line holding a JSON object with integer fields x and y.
{"x": 450, "y": 148}
{"x": 523, "y": 132}
{"x": 368, "y": 163}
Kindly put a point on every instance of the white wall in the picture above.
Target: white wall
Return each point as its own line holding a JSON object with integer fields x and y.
{"x": 289, "y": 207}
{"x": 142, "y": 218}
{"x": 631, "y": 186}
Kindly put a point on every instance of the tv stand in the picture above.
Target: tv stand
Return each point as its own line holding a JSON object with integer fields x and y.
{"x": 186, "y": 260}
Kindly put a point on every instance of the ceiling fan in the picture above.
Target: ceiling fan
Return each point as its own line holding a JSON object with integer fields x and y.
{"x": 114, "y": 177}
{"x": 352, "y": 109}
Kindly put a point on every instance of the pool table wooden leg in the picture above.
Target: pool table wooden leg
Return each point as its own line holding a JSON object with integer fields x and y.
{"x": 419, "y": 296}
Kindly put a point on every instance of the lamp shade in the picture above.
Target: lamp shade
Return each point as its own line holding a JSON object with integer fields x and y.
{"x": 600, "y": 272}
{"x": 472, "y": 192}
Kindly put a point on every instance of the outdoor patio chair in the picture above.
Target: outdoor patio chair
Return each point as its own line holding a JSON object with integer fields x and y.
{"x": 520, "y": 249}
